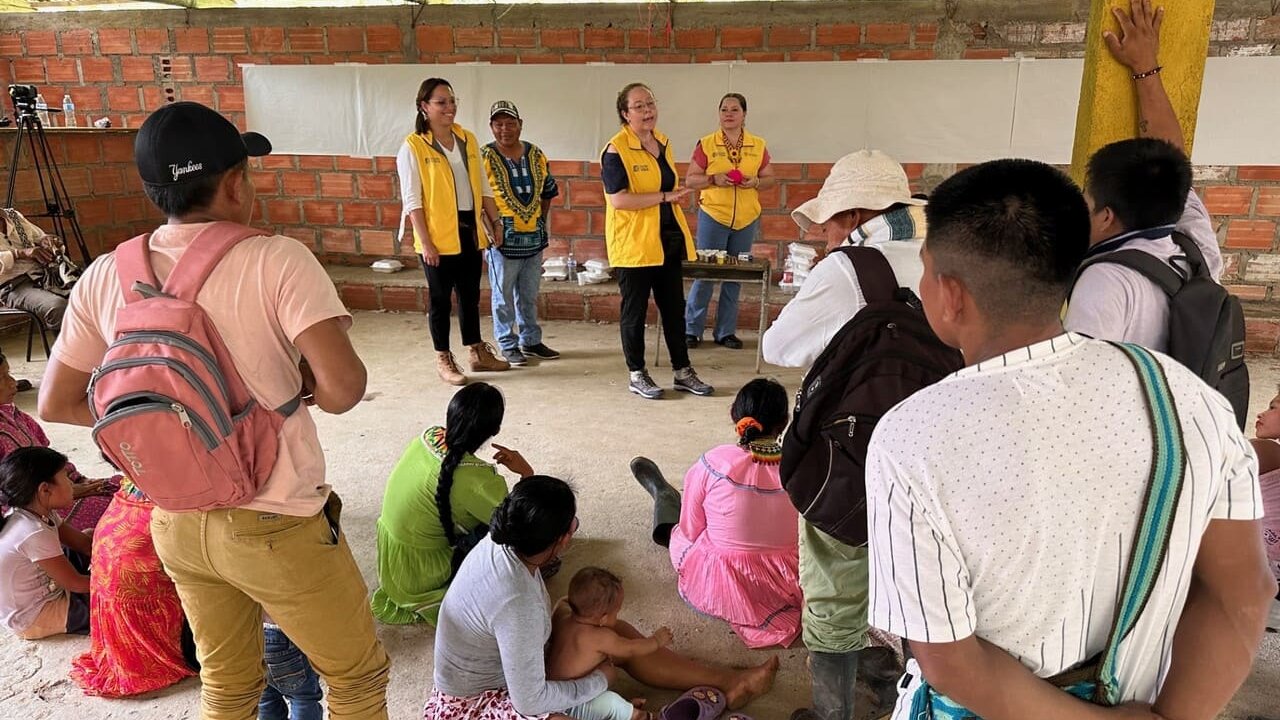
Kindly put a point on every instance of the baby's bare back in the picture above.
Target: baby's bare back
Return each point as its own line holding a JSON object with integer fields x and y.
{"x": 575, "y": 648}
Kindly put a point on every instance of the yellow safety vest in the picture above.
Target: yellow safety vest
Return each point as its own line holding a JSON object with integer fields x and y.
{"x": 633, "y": 237}
{"x": 732, "y": 206}
{"x": 439, "y": 199}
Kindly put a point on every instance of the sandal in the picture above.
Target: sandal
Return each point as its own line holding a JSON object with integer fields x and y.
{"x": 700, "y": 703}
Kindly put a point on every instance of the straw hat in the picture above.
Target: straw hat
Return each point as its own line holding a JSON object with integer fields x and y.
{"x": 866, "y": 179}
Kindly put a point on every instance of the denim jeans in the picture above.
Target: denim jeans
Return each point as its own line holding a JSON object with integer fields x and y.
{"x": 513, "y": 287}
{"x": 714, "y": 236}
{"x": 289, "y": 677}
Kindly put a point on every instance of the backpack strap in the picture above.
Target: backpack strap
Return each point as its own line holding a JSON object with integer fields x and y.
{"x": 1168, "y": 469}
{"x": 1166, "y": 278}
{"x": 133, "y": 269}
{"x": 203, "y": 254}
{"x": 875, "y": 275}
{"x": 1194, "y": 255}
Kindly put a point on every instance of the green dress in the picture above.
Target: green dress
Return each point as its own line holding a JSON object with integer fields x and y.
{"x": 413, "y": 554}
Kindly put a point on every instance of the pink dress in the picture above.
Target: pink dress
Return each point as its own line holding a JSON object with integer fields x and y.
{"x": 1270, "y": 483}
{"x": 736, "y": 547}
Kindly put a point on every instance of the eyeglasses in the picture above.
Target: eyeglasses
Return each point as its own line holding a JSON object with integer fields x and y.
{"x": 447, "y": 102}
{"x": 651, "y": 105}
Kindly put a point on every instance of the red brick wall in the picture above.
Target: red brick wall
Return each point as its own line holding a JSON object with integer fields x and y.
{"x": 124, "y": 65}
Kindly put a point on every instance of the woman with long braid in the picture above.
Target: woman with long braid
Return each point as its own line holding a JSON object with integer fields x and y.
{"x": 437, "y": 505}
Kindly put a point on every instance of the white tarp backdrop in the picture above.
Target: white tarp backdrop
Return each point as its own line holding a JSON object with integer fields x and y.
{"x": 935, "y": 111}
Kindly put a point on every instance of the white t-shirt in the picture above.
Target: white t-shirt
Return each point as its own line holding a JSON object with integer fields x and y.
{"x": 1002, "y": 502}
{"x": 1113, "y": 302}
{"x": 25, "y": 587}
{"x": 831, "y": 296}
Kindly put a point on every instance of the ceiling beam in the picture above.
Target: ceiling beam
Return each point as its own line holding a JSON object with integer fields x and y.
{"x": 16, "y": 6}
{"x": 198, "y": 4}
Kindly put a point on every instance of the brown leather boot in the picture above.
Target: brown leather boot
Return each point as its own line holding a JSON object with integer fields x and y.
{"x": 448, "y": 370}
{"x": 482, "y": 359}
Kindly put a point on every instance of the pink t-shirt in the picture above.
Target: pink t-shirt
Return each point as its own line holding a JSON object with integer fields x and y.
{"x": 264, "y": 293}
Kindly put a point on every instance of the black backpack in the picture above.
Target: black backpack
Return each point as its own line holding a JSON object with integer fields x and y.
{"x": 884, "y": 354}
{"x": 1206, "y": 323}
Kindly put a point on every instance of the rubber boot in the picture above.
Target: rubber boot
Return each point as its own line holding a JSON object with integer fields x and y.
{"x": 666, "y": 499}
{"x": 834, "y": 677}
{"x": 878, "y": 676}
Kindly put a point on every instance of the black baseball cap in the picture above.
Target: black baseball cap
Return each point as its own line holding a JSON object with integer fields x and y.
{"x": 504, "y": 107}
{"x": 184, "y": 141}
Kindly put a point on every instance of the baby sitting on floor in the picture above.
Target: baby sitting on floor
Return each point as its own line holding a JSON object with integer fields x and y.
{"x": 582, "y": 638}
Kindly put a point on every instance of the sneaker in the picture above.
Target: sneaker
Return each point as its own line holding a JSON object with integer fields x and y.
{"x": 644, "y": 386}
{"x": 687, "y": 380}
{"x": 515, "y": 357}
{"x": 482, "y": 359}
{"x": 540, "y": 351}
{"x": 692, "y": 341}
{"x": 730, "y": 341}
{"x": 447, "y": 369}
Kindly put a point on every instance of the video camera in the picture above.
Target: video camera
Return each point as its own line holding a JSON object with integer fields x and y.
{"x": 24, "y": 99}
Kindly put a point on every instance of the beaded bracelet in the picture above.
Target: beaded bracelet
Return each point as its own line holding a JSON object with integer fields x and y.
{"x": 1149, "y": 73}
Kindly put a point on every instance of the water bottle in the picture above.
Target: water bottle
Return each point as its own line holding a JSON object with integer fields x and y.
{"x": 572, "y": 267}
{"x": 42, "y": 110}
{"x": 68, "y": 112}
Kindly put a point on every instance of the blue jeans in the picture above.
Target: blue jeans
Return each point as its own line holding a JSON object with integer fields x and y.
{"x": 714, "y": 236}
{"x": 513, "y": 288}
{"x": 289, "y": 677}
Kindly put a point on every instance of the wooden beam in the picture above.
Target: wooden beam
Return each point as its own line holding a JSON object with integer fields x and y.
{"x": 8, "y": 6}
{"x": 198, "y": 4}
{"x": 1108, "y": 104}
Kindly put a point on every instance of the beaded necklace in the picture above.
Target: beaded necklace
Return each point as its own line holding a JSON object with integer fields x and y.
{"x": 766, "y": 452}
{"x": 734, "y": 149}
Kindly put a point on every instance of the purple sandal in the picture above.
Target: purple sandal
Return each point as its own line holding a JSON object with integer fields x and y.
{"x": 700, "y": 703}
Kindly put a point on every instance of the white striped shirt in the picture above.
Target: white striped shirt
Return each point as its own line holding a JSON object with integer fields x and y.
{"x": 1003, "y": 501}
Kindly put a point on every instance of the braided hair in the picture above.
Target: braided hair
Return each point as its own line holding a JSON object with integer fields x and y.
{"x": 760, "y": 410}
{"x": 474, "y": 416}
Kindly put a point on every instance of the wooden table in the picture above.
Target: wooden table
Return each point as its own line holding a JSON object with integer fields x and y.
{"x": 756, "y": 272}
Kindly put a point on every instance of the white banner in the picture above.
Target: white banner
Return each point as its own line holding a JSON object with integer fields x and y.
{"x": 940, "y": 111}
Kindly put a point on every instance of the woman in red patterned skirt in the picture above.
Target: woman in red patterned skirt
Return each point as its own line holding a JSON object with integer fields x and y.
{"x": 140, "y": 638}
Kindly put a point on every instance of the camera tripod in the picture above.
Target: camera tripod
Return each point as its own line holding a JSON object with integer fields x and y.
{"x": 57, "y": 203}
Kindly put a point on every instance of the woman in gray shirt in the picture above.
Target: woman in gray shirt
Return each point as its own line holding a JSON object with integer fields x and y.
{"x": 496, "y": 620}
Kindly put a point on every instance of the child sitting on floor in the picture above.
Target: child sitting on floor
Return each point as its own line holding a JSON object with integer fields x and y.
{"x": 1267, "y": 446}
{"x": 42, "y": 592}
{"x": 583, "y": 638}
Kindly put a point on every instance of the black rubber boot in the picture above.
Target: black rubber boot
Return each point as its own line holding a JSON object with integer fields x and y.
{"x": 834, "y": 677}
{"x": 666, "y": 499}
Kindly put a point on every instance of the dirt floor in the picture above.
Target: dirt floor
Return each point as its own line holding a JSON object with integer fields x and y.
{"x": 571, "y": 417}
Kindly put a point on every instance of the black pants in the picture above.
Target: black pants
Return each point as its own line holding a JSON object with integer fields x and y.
{"x": 461, "y": 274}
{"x": 78, "y": 610}
{"x": 666, "y": 283}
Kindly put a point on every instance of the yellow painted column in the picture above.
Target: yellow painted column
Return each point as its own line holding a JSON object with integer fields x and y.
{"x": 1108, "y": 104}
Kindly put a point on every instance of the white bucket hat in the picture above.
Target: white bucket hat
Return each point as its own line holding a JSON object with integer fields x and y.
{"x": 866, "y": 179}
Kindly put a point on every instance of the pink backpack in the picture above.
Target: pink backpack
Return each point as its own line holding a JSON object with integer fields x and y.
{"x": 170, "y": 409}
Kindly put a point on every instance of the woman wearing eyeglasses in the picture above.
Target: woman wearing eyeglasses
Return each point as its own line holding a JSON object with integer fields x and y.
{"x": 730, "y": 167}
{"x": 448, "y": 199}
{"x": 647, "y": 238}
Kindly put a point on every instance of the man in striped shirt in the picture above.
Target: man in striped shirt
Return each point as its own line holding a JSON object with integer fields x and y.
{"x": 1003, "y": 501}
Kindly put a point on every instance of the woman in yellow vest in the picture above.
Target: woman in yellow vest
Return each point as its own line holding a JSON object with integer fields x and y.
{"x": 448, "y": 199}
{"x": 730, "y": 167}
{"x": 647, "y": 238}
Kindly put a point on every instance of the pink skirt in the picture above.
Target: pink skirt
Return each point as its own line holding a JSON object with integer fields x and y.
{"x": 756, "y": 592}
{"x": 488, "y": 705}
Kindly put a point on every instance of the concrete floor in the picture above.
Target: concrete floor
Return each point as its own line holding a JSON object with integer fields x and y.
{"x": 572, "y": 418}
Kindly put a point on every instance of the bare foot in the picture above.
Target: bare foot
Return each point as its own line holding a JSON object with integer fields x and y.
{"x": 752, "y": 683}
